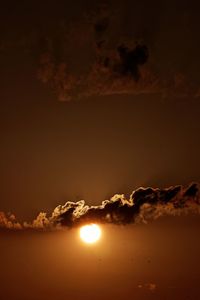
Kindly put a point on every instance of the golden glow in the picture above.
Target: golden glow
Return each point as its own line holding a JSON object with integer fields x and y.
{"x": 90, "y": 233}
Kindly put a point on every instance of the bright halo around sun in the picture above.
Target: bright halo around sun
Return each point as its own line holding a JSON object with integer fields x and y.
{"x": 90, "y": 233}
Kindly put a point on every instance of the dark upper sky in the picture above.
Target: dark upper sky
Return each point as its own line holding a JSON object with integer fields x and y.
{"x": 106, "y": 142}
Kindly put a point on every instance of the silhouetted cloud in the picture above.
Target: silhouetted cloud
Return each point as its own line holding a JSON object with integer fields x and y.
{"x": 144, "y": 204}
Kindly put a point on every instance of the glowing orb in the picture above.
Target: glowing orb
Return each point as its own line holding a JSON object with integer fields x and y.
{"x": 90, "y": 233}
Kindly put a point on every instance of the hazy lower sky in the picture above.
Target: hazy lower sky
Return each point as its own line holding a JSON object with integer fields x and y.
{"x": 141, "y": 262}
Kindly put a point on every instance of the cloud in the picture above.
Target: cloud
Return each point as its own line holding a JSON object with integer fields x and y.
{"x": 118, "y": 71}
{"x": 87, "y": 58}
{"x": 99, "y": 55}
{"x": 150, "y": 286}
{"x": 9, "y": 221}
{"x": 143, "y": 205}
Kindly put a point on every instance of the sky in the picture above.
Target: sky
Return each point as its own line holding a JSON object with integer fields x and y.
{"x": 97, "y": 101}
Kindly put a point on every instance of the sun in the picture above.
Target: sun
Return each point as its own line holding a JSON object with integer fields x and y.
{"x": 90, "y": 233}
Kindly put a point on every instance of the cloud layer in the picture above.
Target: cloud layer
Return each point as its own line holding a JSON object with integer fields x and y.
{"x": 144, "y": 204}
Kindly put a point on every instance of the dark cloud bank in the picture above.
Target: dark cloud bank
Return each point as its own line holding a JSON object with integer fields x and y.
{"x": 144, "y": 204}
